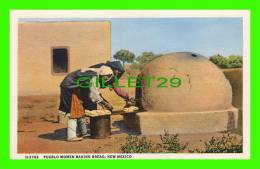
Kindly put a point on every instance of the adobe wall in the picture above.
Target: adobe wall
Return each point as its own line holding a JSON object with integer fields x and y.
{"x": 88, "y": 43}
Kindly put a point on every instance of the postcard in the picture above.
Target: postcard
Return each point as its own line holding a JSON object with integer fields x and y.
{"x": 130, "y": 84}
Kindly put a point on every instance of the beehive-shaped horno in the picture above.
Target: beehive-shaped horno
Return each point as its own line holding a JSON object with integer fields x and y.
{"x": 200, "y": 104}
{"x": 203, "y": 85}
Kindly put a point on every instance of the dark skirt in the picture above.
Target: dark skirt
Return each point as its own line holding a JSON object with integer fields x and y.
{"x": 66, "y": 98}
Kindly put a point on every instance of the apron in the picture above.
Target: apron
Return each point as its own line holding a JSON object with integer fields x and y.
{"x": 77, "y": 109}
{"x": 69, "y": 97}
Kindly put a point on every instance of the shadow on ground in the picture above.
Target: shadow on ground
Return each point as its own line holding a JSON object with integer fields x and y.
{"x": 122, "y": 128}
{"x": 59, "y": 134}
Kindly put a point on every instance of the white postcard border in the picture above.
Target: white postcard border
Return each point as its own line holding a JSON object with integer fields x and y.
{"x": 15, "y": 15}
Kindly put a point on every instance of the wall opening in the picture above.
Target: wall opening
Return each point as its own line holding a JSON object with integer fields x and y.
{"x": 60, "y": 60}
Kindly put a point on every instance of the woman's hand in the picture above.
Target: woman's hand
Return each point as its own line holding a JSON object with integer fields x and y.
{"x": 106, "y": 105}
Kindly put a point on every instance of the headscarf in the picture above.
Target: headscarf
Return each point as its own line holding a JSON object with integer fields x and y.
{"x": 116, "y": 65}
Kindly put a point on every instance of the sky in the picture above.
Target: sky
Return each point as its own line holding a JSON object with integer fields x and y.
{"x": 206, "y": 36}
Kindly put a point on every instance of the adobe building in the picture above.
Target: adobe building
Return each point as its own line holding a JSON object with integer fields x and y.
{"x": 47, "y": 51}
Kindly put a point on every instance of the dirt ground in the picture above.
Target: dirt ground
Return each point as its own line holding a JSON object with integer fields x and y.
{"x": 37, "y": 132}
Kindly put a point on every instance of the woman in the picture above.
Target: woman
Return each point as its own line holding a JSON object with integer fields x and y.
{"x": 80, "y": 91}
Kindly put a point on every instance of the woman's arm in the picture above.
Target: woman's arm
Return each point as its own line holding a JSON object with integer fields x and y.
{"x": 120, "y": 92}
{"x": 96, "y": 97}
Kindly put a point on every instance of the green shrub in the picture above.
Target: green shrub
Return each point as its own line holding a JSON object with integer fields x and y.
{"x": 125, "y": 56}
{"x": 170, "y": 143}
{"x": 235, "y": 61}
{"x": 143, "y": 59}
{"x": 232, "y": 61}
{"x": 224, "y": 144}
{"x": 219, "y": 60}
{"x": 137, "y": 145}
